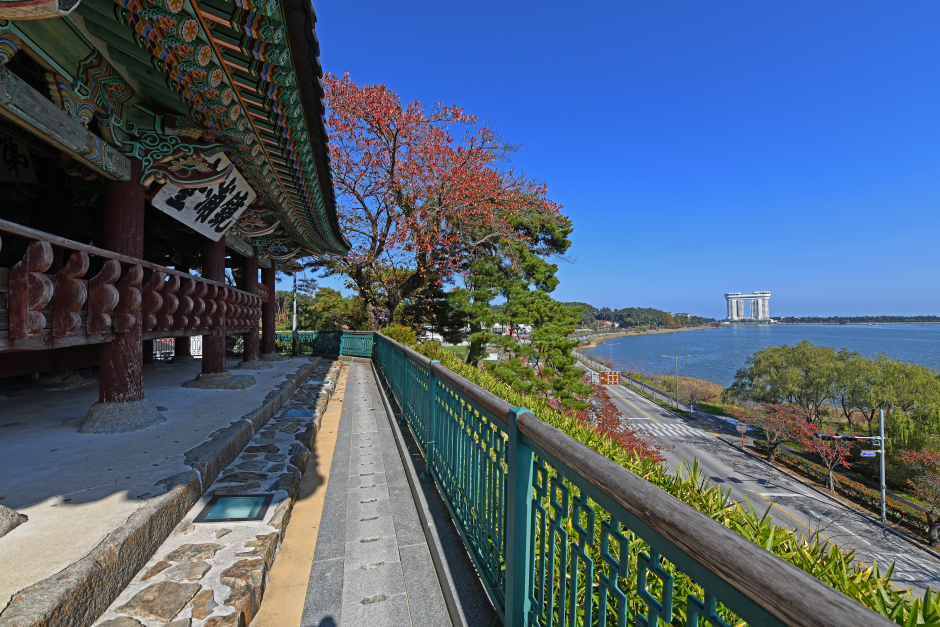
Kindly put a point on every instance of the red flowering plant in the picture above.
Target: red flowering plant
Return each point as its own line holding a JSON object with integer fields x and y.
{"x": 780, "y": 423}
{"x": 604, "y": 417}
{"x": 417, "y": 204}
{"x": 926, "y": 487}
{"x": 824, "y": 443}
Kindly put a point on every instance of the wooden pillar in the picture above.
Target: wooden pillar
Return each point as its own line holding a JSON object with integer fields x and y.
{"x": 213, "y": 345}
{"x": 268, "y": 345}
{"x": 181, "y": 345}
{"x": 147, "y": 348}
{"x": 121, "y": 359}
{"x": 250, "y": 281}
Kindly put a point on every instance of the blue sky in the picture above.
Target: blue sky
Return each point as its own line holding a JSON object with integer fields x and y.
{"x": 699, "y": 147}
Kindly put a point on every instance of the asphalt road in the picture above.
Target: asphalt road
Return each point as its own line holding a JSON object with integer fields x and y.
{"x": 792, "y": 505}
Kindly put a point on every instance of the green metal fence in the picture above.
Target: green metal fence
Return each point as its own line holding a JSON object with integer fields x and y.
{"x": 326, "y": 342}
{"x": 561, "y": 535}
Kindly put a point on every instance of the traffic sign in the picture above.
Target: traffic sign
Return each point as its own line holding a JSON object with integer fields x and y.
{"x": 741, "y": 427}
{"x": 610, "y": 377}
{"x": 868, "y": 453}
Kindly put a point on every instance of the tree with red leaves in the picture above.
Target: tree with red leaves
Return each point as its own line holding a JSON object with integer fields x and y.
{"x": 604, "y": 416}
{"x": 417, "y": 204}
{"x": 825, "y": 445}
{"x": 926, "y": 487}
{"x": 780, "y": 423}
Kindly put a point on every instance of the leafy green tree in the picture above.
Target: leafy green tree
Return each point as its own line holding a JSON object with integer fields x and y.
{"x": 436, "y": 310}
{"x": 330, "y": 310}
{"x": 527, "y": 266}
{"x": 541, "y": 363}
{"x": 802, "y": 373}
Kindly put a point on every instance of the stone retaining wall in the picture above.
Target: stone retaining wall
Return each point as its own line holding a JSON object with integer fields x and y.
{"x": 214, "y": 574}
{"x": 80, "y": 593}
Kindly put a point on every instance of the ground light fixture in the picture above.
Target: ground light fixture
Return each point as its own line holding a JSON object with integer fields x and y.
{"x": 235, "y": 508}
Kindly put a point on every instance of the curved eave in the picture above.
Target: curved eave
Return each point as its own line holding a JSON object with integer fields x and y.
{"x": 299, "y": 22}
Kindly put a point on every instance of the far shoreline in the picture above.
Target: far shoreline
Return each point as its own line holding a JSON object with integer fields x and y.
{"x": 600, "y": 340}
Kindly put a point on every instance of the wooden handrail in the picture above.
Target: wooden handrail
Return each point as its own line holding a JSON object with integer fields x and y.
{"x": 782, "y": 590}
{"x": 55, "y": 240}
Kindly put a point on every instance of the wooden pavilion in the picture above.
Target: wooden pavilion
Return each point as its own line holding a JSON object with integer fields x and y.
{"x": 145, "y": 147}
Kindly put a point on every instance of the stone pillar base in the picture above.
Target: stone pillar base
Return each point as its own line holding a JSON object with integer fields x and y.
{"x": 273, "y": 357}
{"x": 182, "y": 359}
{"x": 221, "y": 381}
{"x": 10, "y": 520}
{"x": 105, "y": 418}
{"x": 253, "y": 365}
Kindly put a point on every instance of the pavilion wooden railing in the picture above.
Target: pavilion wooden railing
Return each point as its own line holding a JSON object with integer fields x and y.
{"x": 41, "y": 311}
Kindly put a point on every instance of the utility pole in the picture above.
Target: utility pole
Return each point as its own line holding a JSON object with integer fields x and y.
{"x": 293, "y": 350}
{"x": 677, "y": 358}
{"x": 881, "y": 437}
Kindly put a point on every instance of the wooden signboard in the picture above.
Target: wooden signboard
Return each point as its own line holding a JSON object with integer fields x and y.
{"x": 610, "y": 377}
{"x": 16, "y": 164}
{"x": 210, "y": 210}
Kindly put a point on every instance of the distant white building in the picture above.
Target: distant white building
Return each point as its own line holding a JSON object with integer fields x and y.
{"x": 759, "y": 307}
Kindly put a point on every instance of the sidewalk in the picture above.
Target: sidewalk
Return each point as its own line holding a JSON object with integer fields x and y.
{"x": 370, "y": 563}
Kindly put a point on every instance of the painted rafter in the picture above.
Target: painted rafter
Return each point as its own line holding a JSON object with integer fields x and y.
{"x": 260, "y": 117}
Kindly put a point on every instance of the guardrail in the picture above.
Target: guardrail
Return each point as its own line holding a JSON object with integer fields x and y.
{"x": 562, "y": 535}
{"x": 355, "y": 343}
{"x": 669, "y": 399}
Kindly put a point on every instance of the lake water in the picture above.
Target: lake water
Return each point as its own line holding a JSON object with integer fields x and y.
{"x": 716, "y": 354}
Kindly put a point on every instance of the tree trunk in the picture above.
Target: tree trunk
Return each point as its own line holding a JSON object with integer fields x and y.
{"x": 477, "y": 347}
{"x": 772, "y": 451}
{"x": 933, "y": 529}
{"x": 374, "y": 315}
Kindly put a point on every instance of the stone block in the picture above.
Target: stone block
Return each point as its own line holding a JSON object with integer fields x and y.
{"x": 158, "y": 568}
{"x": 235, "y": 619}
{"x": 188, "y": 571}
{"x": 247, "y": 572}
{"x": 122, "y": 621}
{"x": 194, "y": 552}
{"x": 264, "y": 546}
{"x": 161, "y": 601}
{"x": 246, "y": 601}
{"x": 9, "y": 520}
{"x": 203, "y": 604}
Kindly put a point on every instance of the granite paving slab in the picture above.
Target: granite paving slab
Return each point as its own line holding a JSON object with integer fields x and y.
{"x": 371, "y": 565}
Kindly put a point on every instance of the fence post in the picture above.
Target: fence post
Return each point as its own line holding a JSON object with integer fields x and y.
{"x": 518, "y": 579}
{"x": 431, "y": 433}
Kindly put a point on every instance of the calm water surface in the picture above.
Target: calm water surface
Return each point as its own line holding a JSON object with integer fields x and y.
{"x": 716, "y": 354}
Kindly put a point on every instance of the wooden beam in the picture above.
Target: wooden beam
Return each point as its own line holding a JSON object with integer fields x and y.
{"x": 30, "y": 110}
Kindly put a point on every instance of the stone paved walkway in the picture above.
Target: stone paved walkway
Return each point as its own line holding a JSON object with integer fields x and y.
{"x": 371, "y": 566}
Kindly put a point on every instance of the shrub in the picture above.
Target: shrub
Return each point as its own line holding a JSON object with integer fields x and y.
{"x": 401, "y": 334}
{"x": 824, "y": 561}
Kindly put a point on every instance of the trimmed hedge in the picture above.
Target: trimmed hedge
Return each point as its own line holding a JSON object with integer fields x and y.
{"x": 824, "y": 561}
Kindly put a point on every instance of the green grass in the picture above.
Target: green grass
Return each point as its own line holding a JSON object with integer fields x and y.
{"x": 715, "y": 410}
{"x": 460, "y": 351}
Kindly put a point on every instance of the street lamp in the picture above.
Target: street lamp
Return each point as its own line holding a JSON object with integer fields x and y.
{"x": 677, "y": 358}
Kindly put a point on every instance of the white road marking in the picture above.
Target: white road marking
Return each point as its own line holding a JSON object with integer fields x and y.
{"x": 780, "y": 494}
{"x": 672, "y": 430}
{"x": 851, "y": 533}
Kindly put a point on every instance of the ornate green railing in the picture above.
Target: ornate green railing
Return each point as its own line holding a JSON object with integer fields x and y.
{"x": 354, "y": 343}
{"x": 561, "y": 535}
